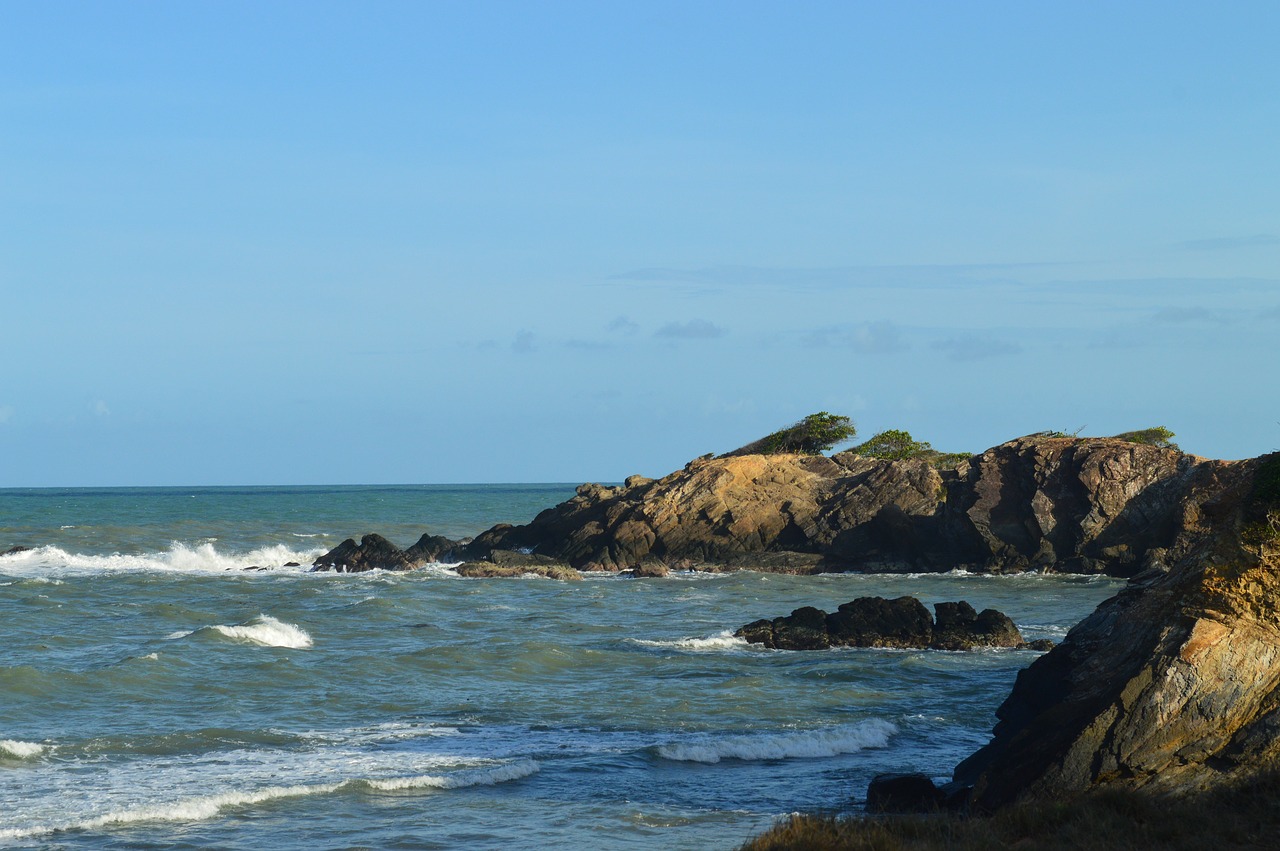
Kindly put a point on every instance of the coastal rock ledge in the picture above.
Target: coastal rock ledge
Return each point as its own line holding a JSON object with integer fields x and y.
{"x": 1078, "y": 505}
{"x": 1171, "y": 687}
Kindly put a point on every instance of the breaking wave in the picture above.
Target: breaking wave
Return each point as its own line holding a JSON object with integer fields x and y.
{"x": 13, "y": 749}
{"x": 724, "y": 640}
{"x": 179, "y": 558}
{"x": 208, "y": 806}
{"x": 802, "y": 744}
{"x": 264, "y": 631}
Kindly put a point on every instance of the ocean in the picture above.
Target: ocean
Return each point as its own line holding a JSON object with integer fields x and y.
{"x": 156, "y": 692}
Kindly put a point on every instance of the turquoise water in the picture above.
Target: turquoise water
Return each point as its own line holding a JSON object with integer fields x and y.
{"x": 154, "y": 693}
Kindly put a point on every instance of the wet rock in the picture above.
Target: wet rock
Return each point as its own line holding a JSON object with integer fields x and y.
{"x": 877, "y": 622}
{"x": 903, "y": 793}
{"x": 15, "y": 550}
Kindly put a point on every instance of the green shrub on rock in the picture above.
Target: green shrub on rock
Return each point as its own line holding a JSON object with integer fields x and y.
{"x": 812, "y": 435}
{"x": 893, "y": 445}
{"x": 1154, "y": 436}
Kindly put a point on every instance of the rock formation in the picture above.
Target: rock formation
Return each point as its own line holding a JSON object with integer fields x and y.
{"x": 877, "y": 622}
{"x": 1097, "y": 505}
{"x": 1173, "y": 685}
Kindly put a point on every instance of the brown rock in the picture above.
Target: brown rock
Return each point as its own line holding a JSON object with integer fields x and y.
{"x": 1173, "y": 685}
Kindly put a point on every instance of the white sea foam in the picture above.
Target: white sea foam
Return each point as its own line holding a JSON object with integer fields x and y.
{"x": 14, "y": 749}
{"x": 477, "y": 777}
{"x": 801, "y": 744}
{"x": 264, "y": 631}
{"x": 724, "y": 640}
{"x": 180, "y": 558}
{"x": 201, "y": 807}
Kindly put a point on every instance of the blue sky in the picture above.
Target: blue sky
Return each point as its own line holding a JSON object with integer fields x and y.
{"x": 318, "y": 242}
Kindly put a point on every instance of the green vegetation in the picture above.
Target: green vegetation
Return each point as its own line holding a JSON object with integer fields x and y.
{"x": 898, "y": 445}
{"x": 812, "y": 435}
{"x": 1264, "y": 504}
{"x": 1247, "y": 816}
{"x": 1154, "y": 436}
{"x": 894, "y": 445}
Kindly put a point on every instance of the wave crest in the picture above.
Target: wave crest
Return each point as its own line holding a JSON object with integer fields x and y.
{"x": 180, "y": 557}
{"x": 264, "y": 631}
{"x": 724, "y": 640}
{"x": 14, "y": 749}
{"x": 802, "y": 744}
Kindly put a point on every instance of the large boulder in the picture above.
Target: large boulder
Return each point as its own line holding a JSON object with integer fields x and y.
{"x": 1173, "y": 685}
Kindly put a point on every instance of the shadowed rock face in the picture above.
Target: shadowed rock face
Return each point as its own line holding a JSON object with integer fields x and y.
{"x": 877, "y": 622}
{"x": 1172, "y": 685}
{"x": 1066, "y": 504}
{"x": 1073, "y": 505}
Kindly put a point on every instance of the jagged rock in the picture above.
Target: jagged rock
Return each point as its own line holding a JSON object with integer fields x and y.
{"x": 1096, "y": 505}
{"x": 903, "y": 793}
{"x": 15, "y": 550}
{"x": 877, "y": 622}
{"x": 650, "y": 570}
{"x": 373, "y": 552}
{"x": 1173, "y": 685}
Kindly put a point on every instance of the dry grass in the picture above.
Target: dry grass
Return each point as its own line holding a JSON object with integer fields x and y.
{"x": 1246, "y": 817}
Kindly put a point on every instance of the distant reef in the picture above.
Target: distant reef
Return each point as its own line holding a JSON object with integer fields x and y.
{"x": 1041, "y": 502}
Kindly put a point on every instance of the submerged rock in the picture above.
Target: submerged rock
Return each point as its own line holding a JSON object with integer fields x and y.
{"x": 877, "y": 622}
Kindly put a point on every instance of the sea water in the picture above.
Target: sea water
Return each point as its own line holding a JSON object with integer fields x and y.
{"x": 155, "y": 692}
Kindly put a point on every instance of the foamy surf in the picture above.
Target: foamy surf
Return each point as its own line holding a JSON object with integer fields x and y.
{"x": 802, "y": 744}
{"x": 264, "y": 631}
{"x": 13, "y": 749}
{"x": 723, "y": 640}
{"x": 203, "y": 807}
{"x": 179, "y": 558}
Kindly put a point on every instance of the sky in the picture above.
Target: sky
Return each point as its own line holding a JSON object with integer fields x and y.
{"x": 385, "y": 242}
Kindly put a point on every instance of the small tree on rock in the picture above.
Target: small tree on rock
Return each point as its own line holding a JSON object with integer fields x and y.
{"x": 1154, "y": 436}
{"x": 894, "y": 445}
{"x": 812, "y": 435}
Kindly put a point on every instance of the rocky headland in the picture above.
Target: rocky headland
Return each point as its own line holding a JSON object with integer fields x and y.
{"x": 1041, "y": 502}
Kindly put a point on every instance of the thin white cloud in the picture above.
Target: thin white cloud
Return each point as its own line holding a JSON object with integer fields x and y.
{"x": 1228, "y": 243}
{"x": 100, "y": 409}
{"x": 622, "y": 325}
{"x": 694, "y": 329}
{"x": 867, "y": 337}
{"x": 6, "y": 413}
{"x": 973, "y": 348}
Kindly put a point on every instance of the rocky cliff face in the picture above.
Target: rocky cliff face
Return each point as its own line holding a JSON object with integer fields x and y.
{"x": 1074, "y": 505}
{"x": 1065, "y": 504}
{"x": 1173, "y": 685}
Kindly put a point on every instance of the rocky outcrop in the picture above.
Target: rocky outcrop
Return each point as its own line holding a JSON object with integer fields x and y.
{"x": 375, "y": 552}
{"x": 504, "y": 563}
{"x": 877, "y": 622}
{"x": 1050, "y": 503}
{"x": 1068, "y": 504}
{"x": 1171, "y": 686}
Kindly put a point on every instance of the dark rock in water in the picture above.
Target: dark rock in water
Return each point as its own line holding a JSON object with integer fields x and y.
{"x": 650, "y": 570}
{"x": 903, "y": 793}
{"x": 372, "y": 553}
{"x": 877, "y": 622}
{"x": 431, "y": 548}
{"x": 959, "y": 627}
{"x": 292, "y": 564}
{"x": 15, "y": 550}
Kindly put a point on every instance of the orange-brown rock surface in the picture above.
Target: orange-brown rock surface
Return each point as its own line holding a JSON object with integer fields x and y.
{"x": 1066, "y": 504}
{"x": 1173, "y": 685}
